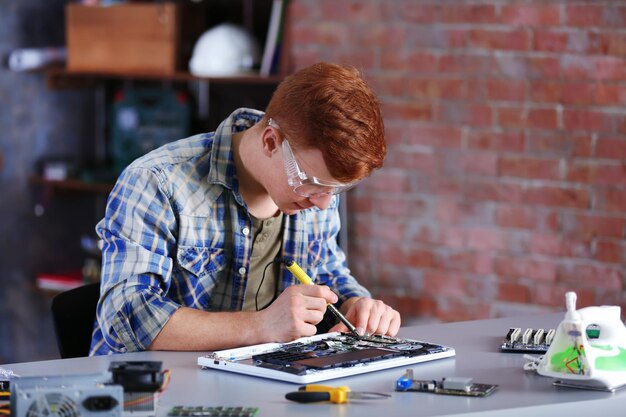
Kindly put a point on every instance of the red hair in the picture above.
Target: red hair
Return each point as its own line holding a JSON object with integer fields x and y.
{"x": 331, "y": 108}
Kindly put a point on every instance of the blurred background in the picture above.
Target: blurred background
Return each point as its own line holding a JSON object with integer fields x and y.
{"x": 504, "y": 184}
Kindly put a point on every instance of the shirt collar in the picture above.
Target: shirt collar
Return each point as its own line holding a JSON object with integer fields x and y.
{"x": 222, "y": 169}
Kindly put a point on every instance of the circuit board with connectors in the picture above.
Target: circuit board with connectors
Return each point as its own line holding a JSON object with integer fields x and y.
{"x": 530, "y": 341}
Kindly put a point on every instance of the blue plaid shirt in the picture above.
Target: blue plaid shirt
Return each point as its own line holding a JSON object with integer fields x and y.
{"x": 176, "y": 233}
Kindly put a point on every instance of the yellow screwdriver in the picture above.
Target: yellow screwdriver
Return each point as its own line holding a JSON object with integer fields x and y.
{"x": 302, "y": 276}
{"x": 338, "y": 395}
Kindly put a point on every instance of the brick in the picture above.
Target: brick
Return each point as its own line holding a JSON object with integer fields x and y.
{"x": 542, "y": 270}
{"x": 508, "y": 141}
{"x": 436, "y": 37}
{"x": 466, "y": 64}
{"x": 466, "y": 114}
{"x": 416, "y": 231}
{"x": 588, "y": 120}
{"x": 610, "y": 199}
{"x": 530, "y": 15}
{"x": 435, "y": 135}
{"x": 466, "y": 261}
{"x": 610, "y": 95}
{"x": 400, "y": 207}
{"x": 390, "y": 230}
{"x": 451, "y": 309}
{"x": 387, "y": 181}
{"x": 455, "y": 211}
{"x": 325, "y": 35}
{"x": 485, "y": 239}
{"x": 609, "y": 68}
{"x": 415, "y": 161}
{"x": 511, "y": 117}
{"x": 407, "y": 110}
{"x": 463, "y": 13}
{"x": 554, "y": 295}
{"x": 542, "y": 118}
{"x": 410, "y": 12}
{"x": 388, "y": 85}
{"x": 445, "y": 284}
{"x": 610, "y": 251}
{"x": 563, "y": 93}
{"x": 615, "y": 43}
{"x": 516, "y": 217}
{"x": 479, "y": 163}
{"x": 508, "y": 40}
{"x": 597, "y": 173}
{"x": 416, "y": 62}
{"x": 436, "y": 88}
{"x": 560, "y": 144}
{"x": 452, "y": 237}
{"x": 359, "y": 204}
{"x": 584, "y": 15}
{"x": 611, "y": 148}
{"x": 529, "y": 167}
{"x": 525, "y": 67}
{"x": 354, "y": 10}
{"x": 592, "y": 276}
{"x": 401, "y": 255}
{"x": 590, "y": 225}
{"x": 506, "y": 90}
{"x": 513, "y": 292}
{"x": 578, "y": 67}
{"x": 364, "y": 59}
{"x": 492, "y": 191}
{"x": 558, "y": 196}
{"x": 550, "y": 40}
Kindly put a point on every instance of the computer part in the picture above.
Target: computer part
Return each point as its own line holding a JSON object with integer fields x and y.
{"x": 447, "y": 386}
{"x": 68, "y": 396}
{"x": 324, "y": 356}
{"x": 531, "y": 341}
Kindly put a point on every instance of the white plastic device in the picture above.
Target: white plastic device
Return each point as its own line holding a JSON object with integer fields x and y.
{"x": 589, "y": 348}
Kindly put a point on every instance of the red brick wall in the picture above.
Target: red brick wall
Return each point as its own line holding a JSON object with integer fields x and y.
{"x": 505, "y": 181}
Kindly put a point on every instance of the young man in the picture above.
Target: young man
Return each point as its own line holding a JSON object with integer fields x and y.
{"x": 192, "y": 230}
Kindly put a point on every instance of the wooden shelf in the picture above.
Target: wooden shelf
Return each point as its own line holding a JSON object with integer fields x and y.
{"x": 73, "y": 185}
{"x": 60, "y": 77}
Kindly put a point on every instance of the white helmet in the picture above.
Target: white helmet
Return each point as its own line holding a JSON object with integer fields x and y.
{"x": 226, "y": 49}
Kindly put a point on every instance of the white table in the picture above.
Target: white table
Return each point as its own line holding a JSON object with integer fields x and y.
{"x": 478, "y": 356}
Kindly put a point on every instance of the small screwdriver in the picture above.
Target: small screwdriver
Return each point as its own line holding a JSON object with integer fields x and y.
{"x": 302, "y": 276}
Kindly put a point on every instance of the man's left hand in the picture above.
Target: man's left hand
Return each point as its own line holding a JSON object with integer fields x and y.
{"x": 369, "y": 316}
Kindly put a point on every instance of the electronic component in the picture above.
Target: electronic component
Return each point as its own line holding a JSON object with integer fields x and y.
{"x": 183, "y": 411}
{"x": 141, "y": 381}
{"x": 324, "y": 356}
{"x": 67, "y": 395}
{"x": 447, "y": 386}
{"x": 532, "y": 340}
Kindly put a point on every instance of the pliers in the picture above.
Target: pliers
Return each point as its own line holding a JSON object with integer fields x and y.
{"x": 338, "y": 395}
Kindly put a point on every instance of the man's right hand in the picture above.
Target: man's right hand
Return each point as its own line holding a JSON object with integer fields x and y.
{"x": 295, "y": 312}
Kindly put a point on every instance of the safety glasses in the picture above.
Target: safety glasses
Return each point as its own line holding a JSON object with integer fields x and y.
{"x": 303, "y": 184}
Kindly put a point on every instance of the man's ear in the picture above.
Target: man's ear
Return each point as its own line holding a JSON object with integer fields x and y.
{"x": 270, "y": 141}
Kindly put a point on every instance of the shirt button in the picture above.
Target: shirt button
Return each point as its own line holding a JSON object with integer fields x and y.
{"x": 242, "y": 271}
{"x": 245, "y": 231}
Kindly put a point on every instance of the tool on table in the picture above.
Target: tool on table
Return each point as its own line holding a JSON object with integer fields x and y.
{"x": 589, "y": 348}
{"x": 449, "y": 386}
{"x": 302, "y": 276}
{"x": 200, "y": 411}
{"x": 338, "y": 395}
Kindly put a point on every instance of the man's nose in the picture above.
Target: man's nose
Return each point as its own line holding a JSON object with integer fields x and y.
{"x": 322, "y": 202}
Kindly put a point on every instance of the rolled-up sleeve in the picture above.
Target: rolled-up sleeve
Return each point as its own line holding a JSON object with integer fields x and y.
{"x": 138, "y": 232}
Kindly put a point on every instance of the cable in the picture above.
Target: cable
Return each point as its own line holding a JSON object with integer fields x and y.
{"x": 256, "y": 296}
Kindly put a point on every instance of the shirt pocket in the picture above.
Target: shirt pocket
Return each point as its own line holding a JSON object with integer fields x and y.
{"x": 201, "y": 262}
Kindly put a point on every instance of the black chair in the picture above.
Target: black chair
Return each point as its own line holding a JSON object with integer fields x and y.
{"x": 73, "y": 314}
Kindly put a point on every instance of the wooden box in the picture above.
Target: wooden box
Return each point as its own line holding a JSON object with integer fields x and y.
{"x": 126, "y": 38}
